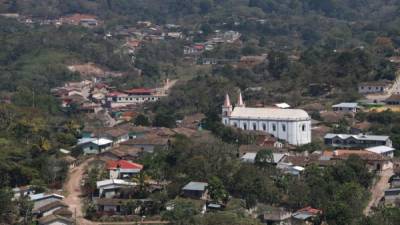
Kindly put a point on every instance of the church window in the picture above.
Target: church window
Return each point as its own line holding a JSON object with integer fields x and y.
{"x": 283, "y": 127}
{"x": 244, "y": 126}
{"x": 254, "y": 126}
{"x": 303, "y": 127}
{"x": 226, "y": 113}
{"x": 235, "y": 124}
{"x": 273, "y": 127}
{"x": 264, "y": 127}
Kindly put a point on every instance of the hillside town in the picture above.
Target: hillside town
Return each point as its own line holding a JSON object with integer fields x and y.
{"x": 199, "y": 112}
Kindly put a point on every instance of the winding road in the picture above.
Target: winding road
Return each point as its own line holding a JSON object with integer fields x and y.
{"x": 73, "y": 188}
{"x": 378, "y": 190}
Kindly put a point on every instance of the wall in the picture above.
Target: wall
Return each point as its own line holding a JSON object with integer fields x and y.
{"x": 290, "y": 131}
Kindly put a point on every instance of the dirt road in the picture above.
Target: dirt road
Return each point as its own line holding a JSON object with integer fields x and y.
{"x": 378, "y": 190}
{"x": 73, "y": 188}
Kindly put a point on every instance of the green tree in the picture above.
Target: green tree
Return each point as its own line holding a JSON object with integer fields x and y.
{"x": 217, "y": 190}
{"x": 142, "y": 120}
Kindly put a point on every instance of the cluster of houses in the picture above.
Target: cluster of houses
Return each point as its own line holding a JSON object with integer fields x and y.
{"x": 85, "y": 20}
{"x": 90, "y": 96}
{"x": 380, "y": 92}
{"x": 48, "y": 208}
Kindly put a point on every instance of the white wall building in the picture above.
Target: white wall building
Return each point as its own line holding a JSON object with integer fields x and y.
{"x": 291, "y": 125}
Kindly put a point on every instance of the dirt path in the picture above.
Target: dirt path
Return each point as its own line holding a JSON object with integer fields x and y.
{"x": 73, "y": 188}
{"x": 378, "y": 190}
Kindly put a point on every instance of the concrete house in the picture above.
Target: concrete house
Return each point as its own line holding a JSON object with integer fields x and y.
{"x": 382, "y": 86}
{"x": 359, "y": 141}
{"x": 94, "y": 145}
{"x": 392, "y": 197}
{"x": 111, "y": 187}
{"x": 122, "y": 169}
{"x": 346, "y": 107}
{"x": 277, "y": 216}
{"x": 196, "y": 190}
{"x": 382, "y": 150}
{"x": 148, "y": 142}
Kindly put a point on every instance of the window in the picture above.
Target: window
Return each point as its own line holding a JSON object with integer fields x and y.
{"x": 235, "y": 124}
{"x": 284, "y": 127}
{"x": 244, "y": 126}
{"x": 273, "y": 127}
{"x": 264, "y": 127}
{"x": 254, "y": 126}
{"x": 303, "y": 127}
{"x": 225, "y": 113}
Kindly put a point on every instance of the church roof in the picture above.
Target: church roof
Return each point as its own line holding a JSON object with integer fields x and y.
{"x": 269, "y": 113}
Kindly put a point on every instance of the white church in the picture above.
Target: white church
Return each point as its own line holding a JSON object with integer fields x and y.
{"x": 291, "y": 125}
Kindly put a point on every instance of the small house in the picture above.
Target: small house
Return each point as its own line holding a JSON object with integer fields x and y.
{"x": 196, "y": 190}
{"x": 346, "y": 107}
{"x": 382, "y": 150}
{"x": 306, "y": 215}
{"x": 148, "y": 143}
{"x": 94, "y": 145}
{"x": 109, "y": 205}
{"x": 49, "y": 209}
{"x": 392, "y": 197}
{"x": 43, "y": 199}
{"x": 122, "y": 169}
{"x": 111, "y": 187}
{"x": 393, "y": 100}
{"x": 382, "y": 86}
{"x": 395, "y": 181}
{"x": 277, "y": 216}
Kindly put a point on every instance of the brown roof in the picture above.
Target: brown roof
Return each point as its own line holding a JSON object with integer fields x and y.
{"x": 123, "y": 151}
{"x": 345, "y": 153}
{"x": 394, "y": 97}
{"x": 185, "y": 131}
{"x": 64, "y": 212}
{"x": 51, "y": 218}
{"x": 50, "y": 206}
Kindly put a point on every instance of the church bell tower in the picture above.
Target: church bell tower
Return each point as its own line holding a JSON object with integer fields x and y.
{"x": 226, "y": 110}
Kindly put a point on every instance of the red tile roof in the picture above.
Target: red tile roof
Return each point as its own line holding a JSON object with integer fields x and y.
{"x": 122, "y": 164}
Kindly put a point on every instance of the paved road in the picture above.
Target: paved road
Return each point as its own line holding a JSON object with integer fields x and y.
{"x": 378, "y": 190}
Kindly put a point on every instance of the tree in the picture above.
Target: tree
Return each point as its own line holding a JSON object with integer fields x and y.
{"x": 164, "y": 120}
{"x": 217, "y": 190}
{"x": 142, "y": 120}
{"x": 264, "y": 157}
{"x": 183, "y": 212}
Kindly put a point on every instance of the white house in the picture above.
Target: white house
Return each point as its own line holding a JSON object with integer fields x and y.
{"x": 109, "y": 188}
{"x": 346, "y": 107}
{"x": 291, "y": 125}
{"x": 382, "y": 86}
{"x": 382, "y": 150}
{"x": 94, "y": 145}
